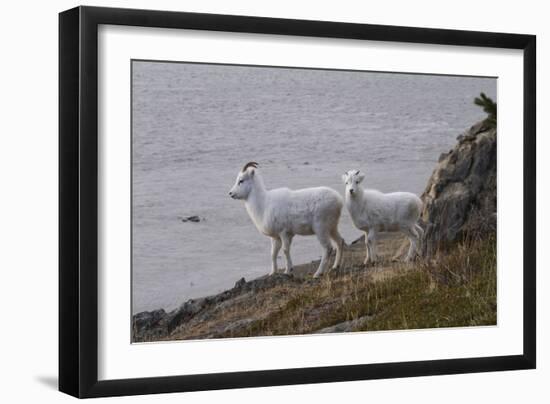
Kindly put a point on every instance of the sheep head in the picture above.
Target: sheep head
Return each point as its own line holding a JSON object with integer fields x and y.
{"x": 352, "y": 179}
{"x": 244, "y": 182}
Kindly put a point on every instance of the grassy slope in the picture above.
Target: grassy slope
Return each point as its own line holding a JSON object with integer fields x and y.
{"x": 457, "y": 289}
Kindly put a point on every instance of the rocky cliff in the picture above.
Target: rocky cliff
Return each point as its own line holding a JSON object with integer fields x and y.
{"x": 460, "y": 198}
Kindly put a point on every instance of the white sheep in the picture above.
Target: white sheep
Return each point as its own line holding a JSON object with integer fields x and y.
{"x": 283, "y": 213}
{"x": 372, "y": 211}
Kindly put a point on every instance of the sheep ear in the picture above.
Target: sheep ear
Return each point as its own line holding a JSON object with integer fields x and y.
{"x": 360, "y": 177}
{"x": 345, "y": 178}
{"x": 252, "y": 171}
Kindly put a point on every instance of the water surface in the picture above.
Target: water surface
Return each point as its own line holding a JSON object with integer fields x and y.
{"x": 195, "y": 125}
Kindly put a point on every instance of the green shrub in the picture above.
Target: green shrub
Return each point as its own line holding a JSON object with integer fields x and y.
{"x": 490, "y": 107}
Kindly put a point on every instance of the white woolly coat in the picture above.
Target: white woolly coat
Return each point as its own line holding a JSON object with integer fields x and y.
{"x": 301, "y": 212}
{"x": 374, "y": 210}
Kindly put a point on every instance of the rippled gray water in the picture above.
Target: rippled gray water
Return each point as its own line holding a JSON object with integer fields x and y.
{"x": 194, "y": 126}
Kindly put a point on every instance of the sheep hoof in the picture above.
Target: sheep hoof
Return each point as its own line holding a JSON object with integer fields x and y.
{"x": 289, "y": 271}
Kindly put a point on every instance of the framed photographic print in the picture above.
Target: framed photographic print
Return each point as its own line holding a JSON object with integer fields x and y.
{"x": 250, "y": 201}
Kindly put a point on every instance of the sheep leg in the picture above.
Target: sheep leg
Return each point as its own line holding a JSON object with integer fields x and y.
{"x": 275, "y": 248}
{"x": 420, "y": 232}
{"x": 413, "y": 237}
{"x": 287, "y": 240}
{"x": 339, "y": 242}
{"x": 367, "y": 249}
{"x": 325, "y": 243}
{"x": 371, "y": 247}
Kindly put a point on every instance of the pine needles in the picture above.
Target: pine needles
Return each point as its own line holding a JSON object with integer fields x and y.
{"x": 490, "y": 107}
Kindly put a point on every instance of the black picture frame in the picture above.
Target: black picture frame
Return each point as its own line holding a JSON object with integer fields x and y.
{"x": 78, "y": 201}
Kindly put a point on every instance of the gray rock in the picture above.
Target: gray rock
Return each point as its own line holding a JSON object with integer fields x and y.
{"x": 442, "y": 157}
{"x": 147, "y": 319}
{"x": 460, "y": 198}
{"x": 186, "y": 312}
{"x": 266, "y": 282}
{"x": 240, "y": 283}
{"x": 194, "y": 219}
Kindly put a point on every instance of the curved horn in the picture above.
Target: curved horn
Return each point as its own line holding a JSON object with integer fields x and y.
{"x": 250, "y": 164}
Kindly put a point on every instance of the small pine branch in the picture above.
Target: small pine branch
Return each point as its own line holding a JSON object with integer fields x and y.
{"x": 489, "y": 107}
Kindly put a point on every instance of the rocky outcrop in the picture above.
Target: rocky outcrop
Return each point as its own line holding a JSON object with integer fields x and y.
{"x": 460, "y": 199}
{"x": 157, "y": 324}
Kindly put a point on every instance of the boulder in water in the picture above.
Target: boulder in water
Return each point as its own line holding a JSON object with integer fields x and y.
{"x": 194, "y": 219}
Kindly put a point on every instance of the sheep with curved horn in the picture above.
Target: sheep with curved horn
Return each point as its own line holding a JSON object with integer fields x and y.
{"x": 282, "y": 213}
{"x": 252, "y": 164}
{"x": 372, "y": 212}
